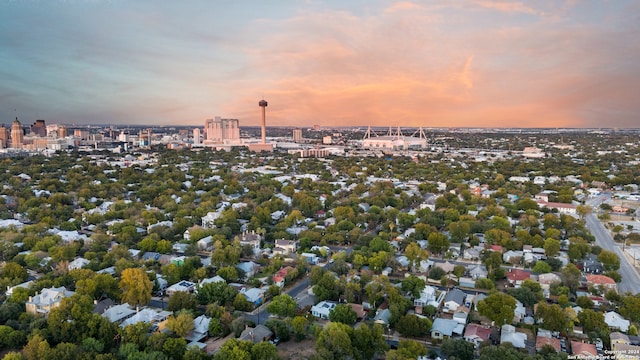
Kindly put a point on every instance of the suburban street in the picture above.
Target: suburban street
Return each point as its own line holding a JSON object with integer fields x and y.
{"x": 260, "y": 315}
{"x": 630, "y": 278}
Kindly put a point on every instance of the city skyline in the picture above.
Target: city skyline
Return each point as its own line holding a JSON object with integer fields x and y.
{"x": 475, "y": 63}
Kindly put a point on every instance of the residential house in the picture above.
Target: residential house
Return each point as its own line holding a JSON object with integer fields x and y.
{"x": 467, "y": 282}
{"x": 477, "y": 271}
{"x": 472, "y": 253}
{"x": 256, "y": 335}
{"x": 445, "y": 327}
{"x": 47, "y": 299}
{"x": 252, "y": 240}
{"x": 520, "y": 312}
{"x": 99, "y": 307}
{"x": 359, "y": 310}
{"x": 184, "y": 286}
{"x": 509, "y": 334}
{"x": 618, "y": 338}
{"x": 545, "y": 337}
{"x": 285, "y": 247}
{"x": 248, "y": 268}
{"x": 311, "y": 258}
{"x": 616, "y": 321}
{"x": 601, "y": 280}
{"x": 78, "y": 263}
{"x": 624, "y": 347}
{"x": 476, "y": 334}
{"x": 461, "y": 315}
{"x": 24, "y": 285}
{"x": 545, "y": 280}
{"x": 427, "y": 297}
{"x": 382, "y": 317}
{"x": 446, "y": 266}
{"x": 119, "y": 313}
{"x": 584, "y": 350}
{"x": 512, "y": 256}
{"x": 253, "y": 295}
{"x": 515, "y": 277}
{"x": 280, "y": 276}
{"x": 215, "y": 279}
{"x": 323, "y": 309}
{"x": 200, "y": 329}
{"x": 205, "y": 244}
{"x": 209, "y": 220}
{"x": 453, "y": 300}
{"x": 157, "y": 318}
{"x": 591, "y": 265}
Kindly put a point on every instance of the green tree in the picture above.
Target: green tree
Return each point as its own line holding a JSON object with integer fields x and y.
{"x": 571, "y": 276}
{"x": 282, "y": 305}
{"x": 415, "y": 254}
{"x": 299, "y": 327}
{"x": 541, "y": 267}
{"x": 182, "y": 300}
{"x": 413, "y": 326}
{"x": 343, "y": 313}
{"x": 334, "y": 342}
{"x": 216, "y": 292}
{"x": 181, "y": 324}
{"x": 413, "y": 284}
{"x": 136, "y": 287}
{"x": 551, "y": 247}
{"x": 411, "y": 349}
{"x": 264, "y": 350}
{"x": 368, "y": 341}
{"x": 609, "y": 260}
{"x": 437, "y": 243}
{"x": 498, "y": 307}
{"x": 174, "y": 348}
{"x": 553, "y": 317}
{"x": 458, "y": 348}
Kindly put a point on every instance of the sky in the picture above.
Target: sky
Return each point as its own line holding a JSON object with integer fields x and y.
{"x": 430, "y": 63}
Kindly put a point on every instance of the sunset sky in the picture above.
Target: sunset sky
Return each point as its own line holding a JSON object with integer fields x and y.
{"x": 437, "y": 63}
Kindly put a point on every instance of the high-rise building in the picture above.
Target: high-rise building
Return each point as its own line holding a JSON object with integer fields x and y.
{"x": 297, "y": 135}
{"x": 17, "y": 134}
{"x": 4, "y": 136}
{"x": 220, "y": 130}
{"x": 39, "y": 128}
{"x": 63, "y": 131}
{"x": 196, "y": 136}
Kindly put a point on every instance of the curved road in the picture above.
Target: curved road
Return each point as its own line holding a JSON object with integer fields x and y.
{"x": 630, "y": 278}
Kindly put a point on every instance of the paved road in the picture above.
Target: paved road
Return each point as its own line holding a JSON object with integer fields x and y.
{"x": 260, "y": 316}
{"x": 630, "y": 278}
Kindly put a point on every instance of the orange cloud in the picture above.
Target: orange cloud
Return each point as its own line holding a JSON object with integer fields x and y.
{"x": 413, "y": 66}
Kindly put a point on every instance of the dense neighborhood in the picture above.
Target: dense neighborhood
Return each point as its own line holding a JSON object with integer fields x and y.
{"x": 481, "y": 246}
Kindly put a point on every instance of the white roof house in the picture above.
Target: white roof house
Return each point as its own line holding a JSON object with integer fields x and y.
{"x": 427, "y": 297}
{"x": 185, "y": 286}
{"x": 78, "y": 263}
{"x": 206, "y": 243}
{"x": 24, "y": 285}
{"x": 148, "y": 316}
{"x": 509, "y": 334}
{"x": 200, "y": 328}
{"x": 209, "y": 220}
{"x": 616, "y": 321}
{"x": 47, "y": 299}
{"x": 323, "y": 309}
{"x": 118, "y": 313}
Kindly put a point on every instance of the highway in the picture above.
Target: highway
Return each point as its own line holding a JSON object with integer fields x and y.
{"x": 630, "y": 278}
